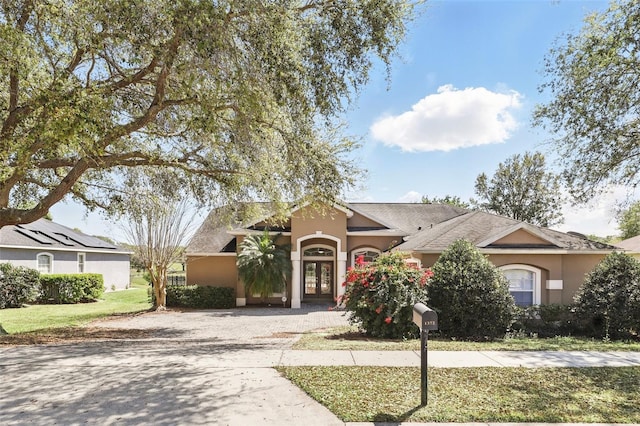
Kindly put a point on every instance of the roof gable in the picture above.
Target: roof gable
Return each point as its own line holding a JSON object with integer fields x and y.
{"x": 520, "y": 235}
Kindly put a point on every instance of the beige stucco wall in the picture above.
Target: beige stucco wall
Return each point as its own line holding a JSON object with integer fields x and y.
{"x": 521, "y": 237}
{"x": 381, "y": 243}
{"x": 307, "y": 221}
{"x": 217, "y": 271}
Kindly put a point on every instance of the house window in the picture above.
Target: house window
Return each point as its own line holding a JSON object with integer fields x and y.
{"x": 368, "y": 254}
{"x": 81, "y": 262}
{"x": 45, "y": 263}
{"x": 524, "y": 284}
{"x": 318, "y": 251}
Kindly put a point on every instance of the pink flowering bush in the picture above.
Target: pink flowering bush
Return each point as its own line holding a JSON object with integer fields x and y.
{"x": 380, "y": 295}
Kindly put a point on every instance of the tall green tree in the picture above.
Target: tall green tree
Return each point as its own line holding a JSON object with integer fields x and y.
{"x": 263, "y": 265}
{"x": 521, "y": 189}
{"x": 629, "y": 221}
{"x": 592, "y": 79}
{"x": 452, "y": 200}
{"x": 241, "y": 97}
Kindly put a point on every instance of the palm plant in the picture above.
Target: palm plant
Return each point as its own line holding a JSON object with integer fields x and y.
{"x": 263, "y": 266}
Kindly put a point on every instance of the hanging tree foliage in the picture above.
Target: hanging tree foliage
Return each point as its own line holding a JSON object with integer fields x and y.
{"x": 239, "y": 97}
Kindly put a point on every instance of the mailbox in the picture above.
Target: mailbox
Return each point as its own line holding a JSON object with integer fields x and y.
{"x": 425, "y": 317}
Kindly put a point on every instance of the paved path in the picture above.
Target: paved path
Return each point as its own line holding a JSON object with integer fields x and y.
{"x": 208, "y": 368}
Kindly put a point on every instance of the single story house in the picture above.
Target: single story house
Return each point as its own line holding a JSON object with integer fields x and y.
{"x": 53, "y": 248}
{"x": 543, "y": 266}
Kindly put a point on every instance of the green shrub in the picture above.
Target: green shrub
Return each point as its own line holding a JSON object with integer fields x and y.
{"x": 609, "y": 298}
{"x": 200, "y": 297}
{"x": 379, "y": 296}
{"x": 547, "y": 320}
{"x": 71, "y": 288}
{"x": 470, "y": 295}
{"x": 18, "y": 285}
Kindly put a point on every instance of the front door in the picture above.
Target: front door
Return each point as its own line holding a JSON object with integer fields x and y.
{"x": 318, "y": 279}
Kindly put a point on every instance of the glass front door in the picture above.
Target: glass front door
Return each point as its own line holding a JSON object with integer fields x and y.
{"x": 318, "y": 279}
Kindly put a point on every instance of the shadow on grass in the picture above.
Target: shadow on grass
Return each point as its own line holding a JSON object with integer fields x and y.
{"x": 395, "y": 419}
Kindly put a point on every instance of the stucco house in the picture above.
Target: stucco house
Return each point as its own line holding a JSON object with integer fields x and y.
{"x": 543, "y": 266}
{"x": 53, "y": 248}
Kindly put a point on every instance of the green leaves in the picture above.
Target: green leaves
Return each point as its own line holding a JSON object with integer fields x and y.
{"x": 470, "y": 295}
{"x": 592, "y": 78}
{"x": 263, "y": 266}
{"x": 522, "y": 189}
{"x": 241, "y": 98}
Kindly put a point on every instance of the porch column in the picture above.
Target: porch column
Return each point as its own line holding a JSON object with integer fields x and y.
{"x": 295, "y": 280}
{"x": 342, "y": 273}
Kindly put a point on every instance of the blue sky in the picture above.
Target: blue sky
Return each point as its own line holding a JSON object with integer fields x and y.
{"x": 459, "y": 102}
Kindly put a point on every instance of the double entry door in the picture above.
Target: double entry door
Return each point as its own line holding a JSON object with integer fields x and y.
{"x": 318, "y": 279}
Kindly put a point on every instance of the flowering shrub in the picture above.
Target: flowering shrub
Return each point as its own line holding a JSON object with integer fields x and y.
{"x": 379, "y": 296}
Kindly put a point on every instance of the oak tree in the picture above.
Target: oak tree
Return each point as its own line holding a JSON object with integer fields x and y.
{"x": 592, "y": 79}
{"x": 240, "y": 98}
{"x": 521, "y": 189}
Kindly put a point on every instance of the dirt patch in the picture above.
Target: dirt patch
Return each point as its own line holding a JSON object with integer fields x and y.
{"x": 73, "y": 334}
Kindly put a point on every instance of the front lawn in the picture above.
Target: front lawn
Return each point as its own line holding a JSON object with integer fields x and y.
{"x": 554, "y": 395}
{"x": 349, "y": 338}
{"x": 41, "y": 317}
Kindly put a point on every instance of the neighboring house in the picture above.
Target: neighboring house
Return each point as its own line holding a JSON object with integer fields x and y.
{"x": 55, "y": 249}
{"x": 631, "y": 246}
{"x": 543, "y": 266}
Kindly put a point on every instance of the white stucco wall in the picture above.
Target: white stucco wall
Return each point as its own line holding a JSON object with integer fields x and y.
{"x": 114, "y": 267}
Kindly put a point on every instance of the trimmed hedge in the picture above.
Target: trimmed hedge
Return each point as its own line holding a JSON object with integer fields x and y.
{"x": 201, "y": 297}
{"x": 548, "y": 321}
{"x": 18, "y": 285}
{"x": 71, "y": 288}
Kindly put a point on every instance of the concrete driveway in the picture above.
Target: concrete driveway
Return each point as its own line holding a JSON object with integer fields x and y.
{"x": 197, "y": 368}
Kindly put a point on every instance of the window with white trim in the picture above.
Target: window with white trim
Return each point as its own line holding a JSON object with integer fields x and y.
{"x": 82, "y": 259}
{"x": 45, "y": 263}
{"x": 524, "y": 283}
{"x": 369, "y": 254}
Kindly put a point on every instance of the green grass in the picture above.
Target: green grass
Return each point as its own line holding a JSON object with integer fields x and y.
{"x": 388, "y": 394}
{"x": 41, "y": 317}
{"x": 348, "y": 338}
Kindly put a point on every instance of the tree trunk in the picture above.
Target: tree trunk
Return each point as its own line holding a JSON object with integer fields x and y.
{"x": 159, "y": 281}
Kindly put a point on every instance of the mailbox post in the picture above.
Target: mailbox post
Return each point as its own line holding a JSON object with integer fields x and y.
{"x": 427, "y": 319}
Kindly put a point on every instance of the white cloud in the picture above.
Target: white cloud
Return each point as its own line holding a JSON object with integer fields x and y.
{"x": 410, "y": 197}
{"x": 451, "y": 119}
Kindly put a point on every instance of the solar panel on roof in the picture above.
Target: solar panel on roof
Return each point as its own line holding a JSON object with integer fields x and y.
{"x": 32, "y": 235}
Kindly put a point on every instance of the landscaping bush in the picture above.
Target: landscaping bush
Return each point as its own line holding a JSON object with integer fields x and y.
{"x": 18, "y": 285}
{"x": 609, "y": 298}
{"x": 201, "y": 297}
{"x": 547, "y": 320}
{"x": 470, "y": 295}
{"x": 379, "y": 296}
{"x": 71, "y": 288}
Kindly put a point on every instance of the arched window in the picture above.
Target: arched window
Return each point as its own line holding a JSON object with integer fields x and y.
{"x": 45, "y": 263}
{"x": 369, "y": 254}
{"x": 318, "y": 251}
{"x": 524, "y": 283}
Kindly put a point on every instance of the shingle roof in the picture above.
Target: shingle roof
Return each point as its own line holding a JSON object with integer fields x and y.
{"x": 632, "y": 244}
{"x": 478, "y": 227}
{"x": 45, "y": 234}
{"x": 408, "y": 217}
{"x": 426, "y": 227}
